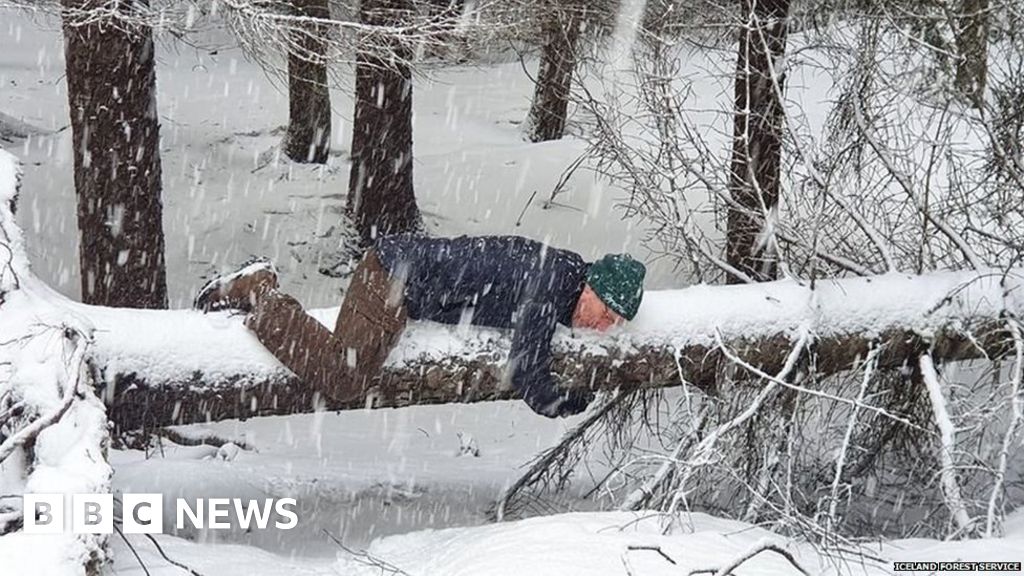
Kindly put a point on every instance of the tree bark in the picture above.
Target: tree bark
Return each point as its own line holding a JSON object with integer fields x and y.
{"x": 308, "y": 139}
{"x": 116, "y": 137}
{"x": 381, "y": 200}
{"x": 550, "y": 106}
{"x": 757, "y": 137}
{"x": 198, "y": 397}
{"x": 972, "y": 44}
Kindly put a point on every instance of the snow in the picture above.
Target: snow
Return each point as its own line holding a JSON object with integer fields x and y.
{"x": 36, "y": 367}
{"x": 588, "y": 543}
{"x": 592, "y": 544}
{"x": 360, "y": 474}
{"x": 67, "y": 456}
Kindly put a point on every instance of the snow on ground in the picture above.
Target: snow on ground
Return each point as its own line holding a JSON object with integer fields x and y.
{"x": 583, "y": 544}
{"x": 359, "y": 474}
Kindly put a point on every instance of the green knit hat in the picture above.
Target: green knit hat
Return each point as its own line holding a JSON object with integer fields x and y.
{"x": 618, "y": 280}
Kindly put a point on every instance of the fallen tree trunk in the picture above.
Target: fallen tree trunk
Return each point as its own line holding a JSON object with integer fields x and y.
{"x": 175, "y": 367}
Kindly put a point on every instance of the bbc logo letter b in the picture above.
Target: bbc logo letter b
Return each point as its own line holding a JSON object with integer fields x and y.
{"x": 92, "y": 513}
{"x": 43, "y": 513}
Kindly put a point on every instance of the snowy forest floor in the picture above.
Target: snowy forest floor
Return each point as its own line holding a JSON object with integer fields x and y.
{"x": 378, "y": 480}
{"x": 608, "y": 543}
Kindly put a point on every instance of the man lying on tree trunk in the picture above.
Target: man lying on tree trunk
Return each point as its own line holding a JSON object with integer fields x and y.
{"x": 496, "y": 281}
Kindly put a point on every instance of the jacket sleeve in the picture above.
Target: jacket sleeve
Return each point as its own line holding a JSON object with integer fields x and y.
{"x": 530, "y": 364}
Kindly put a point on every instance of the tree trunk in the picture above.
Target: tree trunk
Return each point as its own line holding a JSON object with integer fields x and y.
{"x": 757, "y": 137}
{"x": 139, "y": 399}
{"x": 309, "y": 100}
{"x": 380, "y": 189}
{"x": 116, "y": 136}
{"x": 548, "y": 111}
{"x": 972, "y": 45}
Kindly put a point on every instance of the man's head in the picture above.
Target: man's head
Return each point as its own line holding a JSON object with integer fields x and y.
{"x": 612, "y": 294}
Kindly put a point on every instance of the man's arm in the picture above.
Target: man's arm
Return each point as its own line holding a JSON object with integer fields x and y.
{"x": 530, "y": 364}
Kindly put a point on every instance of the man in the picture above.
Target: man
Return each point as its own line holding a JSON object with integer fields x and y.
{"x": 496, "y": 281}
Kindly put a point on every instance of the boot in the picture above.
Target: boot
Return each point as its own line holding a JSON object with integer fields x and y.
{"x": 239, "y": 290}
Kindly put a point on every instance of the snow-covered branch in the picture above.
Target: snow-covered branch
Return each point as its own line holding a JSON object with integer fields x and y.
{"x": 53, "y": 429}
{"x": 1009, "y": 437}
{"x": 947, "y": 435}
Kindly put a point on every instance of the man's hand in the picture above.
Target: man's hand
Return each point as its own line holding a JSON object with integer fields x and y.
{"x": 574, "y": 401}
{"x": 530, "y": 360}
{"x": 556, "y": 403}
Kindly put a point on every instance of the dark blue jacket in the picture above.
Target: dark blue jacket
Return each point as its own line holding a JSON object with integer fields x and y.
{"x": 497, "y": 281}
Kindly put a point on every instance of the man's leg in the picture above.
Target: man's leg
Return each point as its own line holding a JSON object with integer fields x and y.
{"x": 371, "y": 318}
{"x": 303, "y": 345}
{"x": 340, "y": 364}
{"x": 296, "y": 339}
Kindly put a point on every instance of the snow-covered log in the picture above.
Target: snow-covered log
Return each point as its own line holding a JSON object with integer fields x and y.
{"x": 164, "y": 367}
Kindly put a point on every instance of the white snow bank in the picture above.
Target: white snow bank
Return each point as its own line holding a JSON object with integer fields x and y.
{"x": 583, "y": 544}
{"x": 42, "y": 554}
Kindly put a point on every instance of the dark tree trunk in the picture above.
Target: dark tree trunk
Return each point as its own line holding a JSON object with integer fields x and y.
{"x": 972, "y": 45}
{"x": 757, "y": 136}
{"x": 548, "y": 111}
{"x": 380, "y": 189}
{"x": 309, "y": 100}
{"x": 116, "y": 137}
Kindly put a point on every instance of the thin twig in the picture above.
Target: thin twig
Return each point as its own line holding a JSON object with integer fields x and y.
{"x": 1016, "y": 415}
{"x": 519, "y": 220}
{"x": 869, "y": 368}
{"x": 657, "y": 549}
{"x": 757, "y": 371}
{"x": 759, "y": 548}
{"x": 185, "y": 567}
{"x": 365, "y": 557}
{"x": 132, "y": 548}
{"x": 703, "y": 450}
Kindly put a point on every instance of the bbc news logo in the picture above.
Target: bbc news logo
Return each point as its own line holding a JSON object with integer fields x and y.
{"x": 144, "y": 513}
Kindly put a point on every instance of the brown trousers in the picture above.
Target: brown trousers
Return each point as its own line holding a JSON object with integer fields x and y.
{"x": 341, "y": 365}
